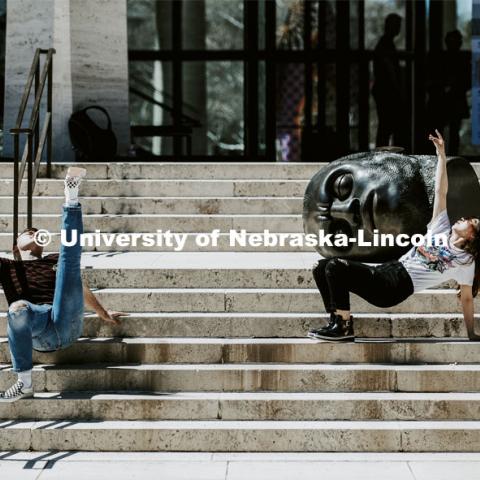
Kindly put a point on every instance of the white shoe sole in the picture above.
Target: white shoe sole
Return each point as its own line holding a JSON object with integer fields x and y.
{"x": 333, "y": 339}
{"x": 312, "y": 335}
{"x": 11, "y": 400}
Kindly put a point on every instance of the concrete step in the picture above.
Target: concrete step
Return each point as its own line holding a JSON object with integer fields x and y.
{"x": 165, "y": 205}
{"x": 186, "y": 270}
{"x": 259, "y": 406}
{"x": 243, "y": 436}
{"x": 197, "y": 170}
{"x": 252, "y": 377}
{"x": 161, "y": 170}
{"x": 210, "y": 270}
{"x": 260, "y": 300}
{"x": 173, "y": 170}
{"x": 277, "y": 350}
{"x": 269, "y": 325}
{"x": 137, "y": 223}
{"x": 168, "y": 188}
{"x": 267, "y": 270}
{"x": 191, "y": 245}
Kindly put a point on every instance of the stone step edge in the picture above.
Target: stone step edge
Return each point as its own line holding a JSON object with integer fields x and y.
{"x": 173, "y": 180}
{"x": 296, "y": 291}
{"x": 245, "y": 435}
{"x": 192, "y": 164}
{"x": 150, "y": 197}
{"x": 240, "y": 315}
{"x": 171, "y": 215}
{"x": 443, "y": 291}
{"x": 396, "y": 425}
{"x": 183, "y": 396}
{"x": 244, "y": 341}
{"x": 250, "y": 367}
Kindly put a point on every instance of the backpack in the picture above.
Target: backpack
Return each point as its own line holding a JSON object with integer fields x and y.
{"x": 91, "y": 142}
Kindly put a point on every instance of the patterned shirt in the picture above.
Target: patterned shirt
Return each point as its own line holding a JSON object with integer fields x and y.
{"x": 429, "y": 265}
{"x": 31, "y": 280}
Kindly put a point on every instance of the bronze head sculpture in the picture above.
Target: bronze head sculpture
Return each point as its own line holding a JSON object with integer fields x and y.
{"x": 387, "y": 192}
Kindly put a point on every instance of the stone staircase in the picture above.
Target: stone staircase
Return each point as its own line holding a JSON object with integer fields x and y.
{"x": 213, "y": 356}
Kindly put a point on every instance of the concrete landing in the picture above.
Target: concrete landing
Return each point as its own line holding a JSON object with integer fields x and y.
{"x": 254, "y": 466}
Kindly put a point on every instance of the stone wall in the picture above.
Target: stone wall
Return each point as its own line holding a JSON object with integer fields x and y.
{"x": 90, "y": 66}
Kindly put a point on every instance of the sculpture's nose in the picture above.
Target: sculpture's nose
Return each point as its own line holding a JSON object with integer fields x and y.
{"x": 348, "y": 210}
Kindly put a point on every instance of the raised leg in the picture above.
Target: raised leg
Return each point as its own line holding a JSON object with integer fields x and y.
{"x": 68, "y": 307}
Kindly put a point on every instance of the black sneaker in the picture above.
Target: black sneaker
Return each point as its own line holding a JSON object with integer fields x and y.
{"x": 319, "y": 331}
{"x": 342, "y": 330}
{"x": 16, "y": 392}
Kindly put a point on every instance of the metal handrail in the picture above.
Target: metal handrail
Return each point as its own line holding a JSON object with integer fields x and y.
{"x": 35, "y": 141}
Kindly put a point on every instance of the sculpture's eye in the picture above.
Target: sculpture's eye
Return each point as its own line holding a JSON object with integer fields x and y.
{"x": 342, "y": 186}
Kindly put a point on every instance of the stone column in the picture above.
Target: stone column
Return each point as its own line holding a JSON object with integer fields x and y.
{"x": 29, "y": 25}
{"x": 90, "y": 66}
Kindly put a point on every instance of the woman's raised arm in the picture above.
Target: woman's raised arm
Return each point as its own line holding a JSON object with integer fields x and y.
{"x": 441, "y": 179}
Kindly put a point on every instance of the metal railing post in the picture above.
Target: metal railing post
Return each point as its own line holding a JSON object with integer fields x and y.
{"x": 49, "y": 110}
{"x": 37, "y": 86}
{"x": 35, "y": 143}
{"x": 16, "y": 153}
{"x": 29, "y": 181}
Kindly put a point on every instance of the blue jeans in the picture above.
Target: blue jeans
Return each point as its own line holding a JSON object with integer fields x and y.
{"x": 51, "y": 327}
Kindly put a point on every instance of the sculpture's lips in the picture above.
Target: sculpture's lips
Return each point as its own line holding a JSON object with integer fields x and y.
{"x": 367, "y": 211}
{"x": 323, "y": 213}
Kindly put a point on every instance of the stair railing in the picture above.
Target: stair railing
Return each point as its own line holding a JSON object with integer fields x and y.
{"x": 36, "y": 139}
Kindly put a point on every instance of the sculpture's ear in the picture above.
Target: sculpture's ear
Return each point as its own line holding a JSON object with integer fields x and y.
{"x": 463, "y": 197}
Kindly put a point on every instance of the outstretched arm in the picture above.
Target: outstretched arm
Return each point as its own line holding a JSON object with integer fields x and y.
{"x": 92, "y": 303}
{"x": 441, "y": 179}
{"x": 467, "y": 307}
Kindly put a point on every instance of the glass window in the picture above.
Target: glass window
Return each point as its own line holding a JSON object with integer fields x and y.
{"x": 261, "y": 107}
{"x": 375, "y": 14}
{"x": 213, "y": 80}
{"x": 225, "y": 108}
{"x": 149, "y": 24}
{"x": 213, "y": 24}
{"x": 261, "y": 24}
{"x": 291, "y": 23}
{"x": 194, "y": 106}
{"x": 290, "y": 110}
{"x": 464, "y": 21}
{"x": 353, "y": 116}
{"x": 151, "y": 101}
{"x": 213, "y": 101}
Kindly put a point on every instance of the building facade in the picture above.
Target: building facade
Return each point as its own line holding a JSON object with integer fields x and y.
{"x": 268, "y": 80}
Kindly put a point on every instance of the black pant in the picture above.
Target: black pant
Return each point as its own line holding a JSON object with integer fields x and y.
{"x": 383, "y": 285}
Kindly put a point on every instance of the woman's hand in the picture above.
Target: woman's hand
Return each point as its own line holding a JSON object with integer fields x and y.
{"x": 438, "y": 142}
{"x": 111, "y": 316}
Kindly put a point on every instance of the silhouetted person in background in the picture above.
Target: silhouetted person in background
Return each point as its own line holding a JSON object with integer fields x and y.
{"x": 387, "y": 89}
{"x": 450, "y": 80}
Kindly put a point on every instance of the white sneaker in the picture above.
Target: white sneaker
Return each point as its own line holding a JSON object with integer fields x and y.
{"x": 72, "y": 182}
{"x": 16, "y": 392}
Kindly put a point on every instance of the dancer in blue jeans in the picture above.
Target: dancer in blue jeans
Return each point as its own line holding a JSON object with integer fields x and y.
{"x": 46, "y": 295}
